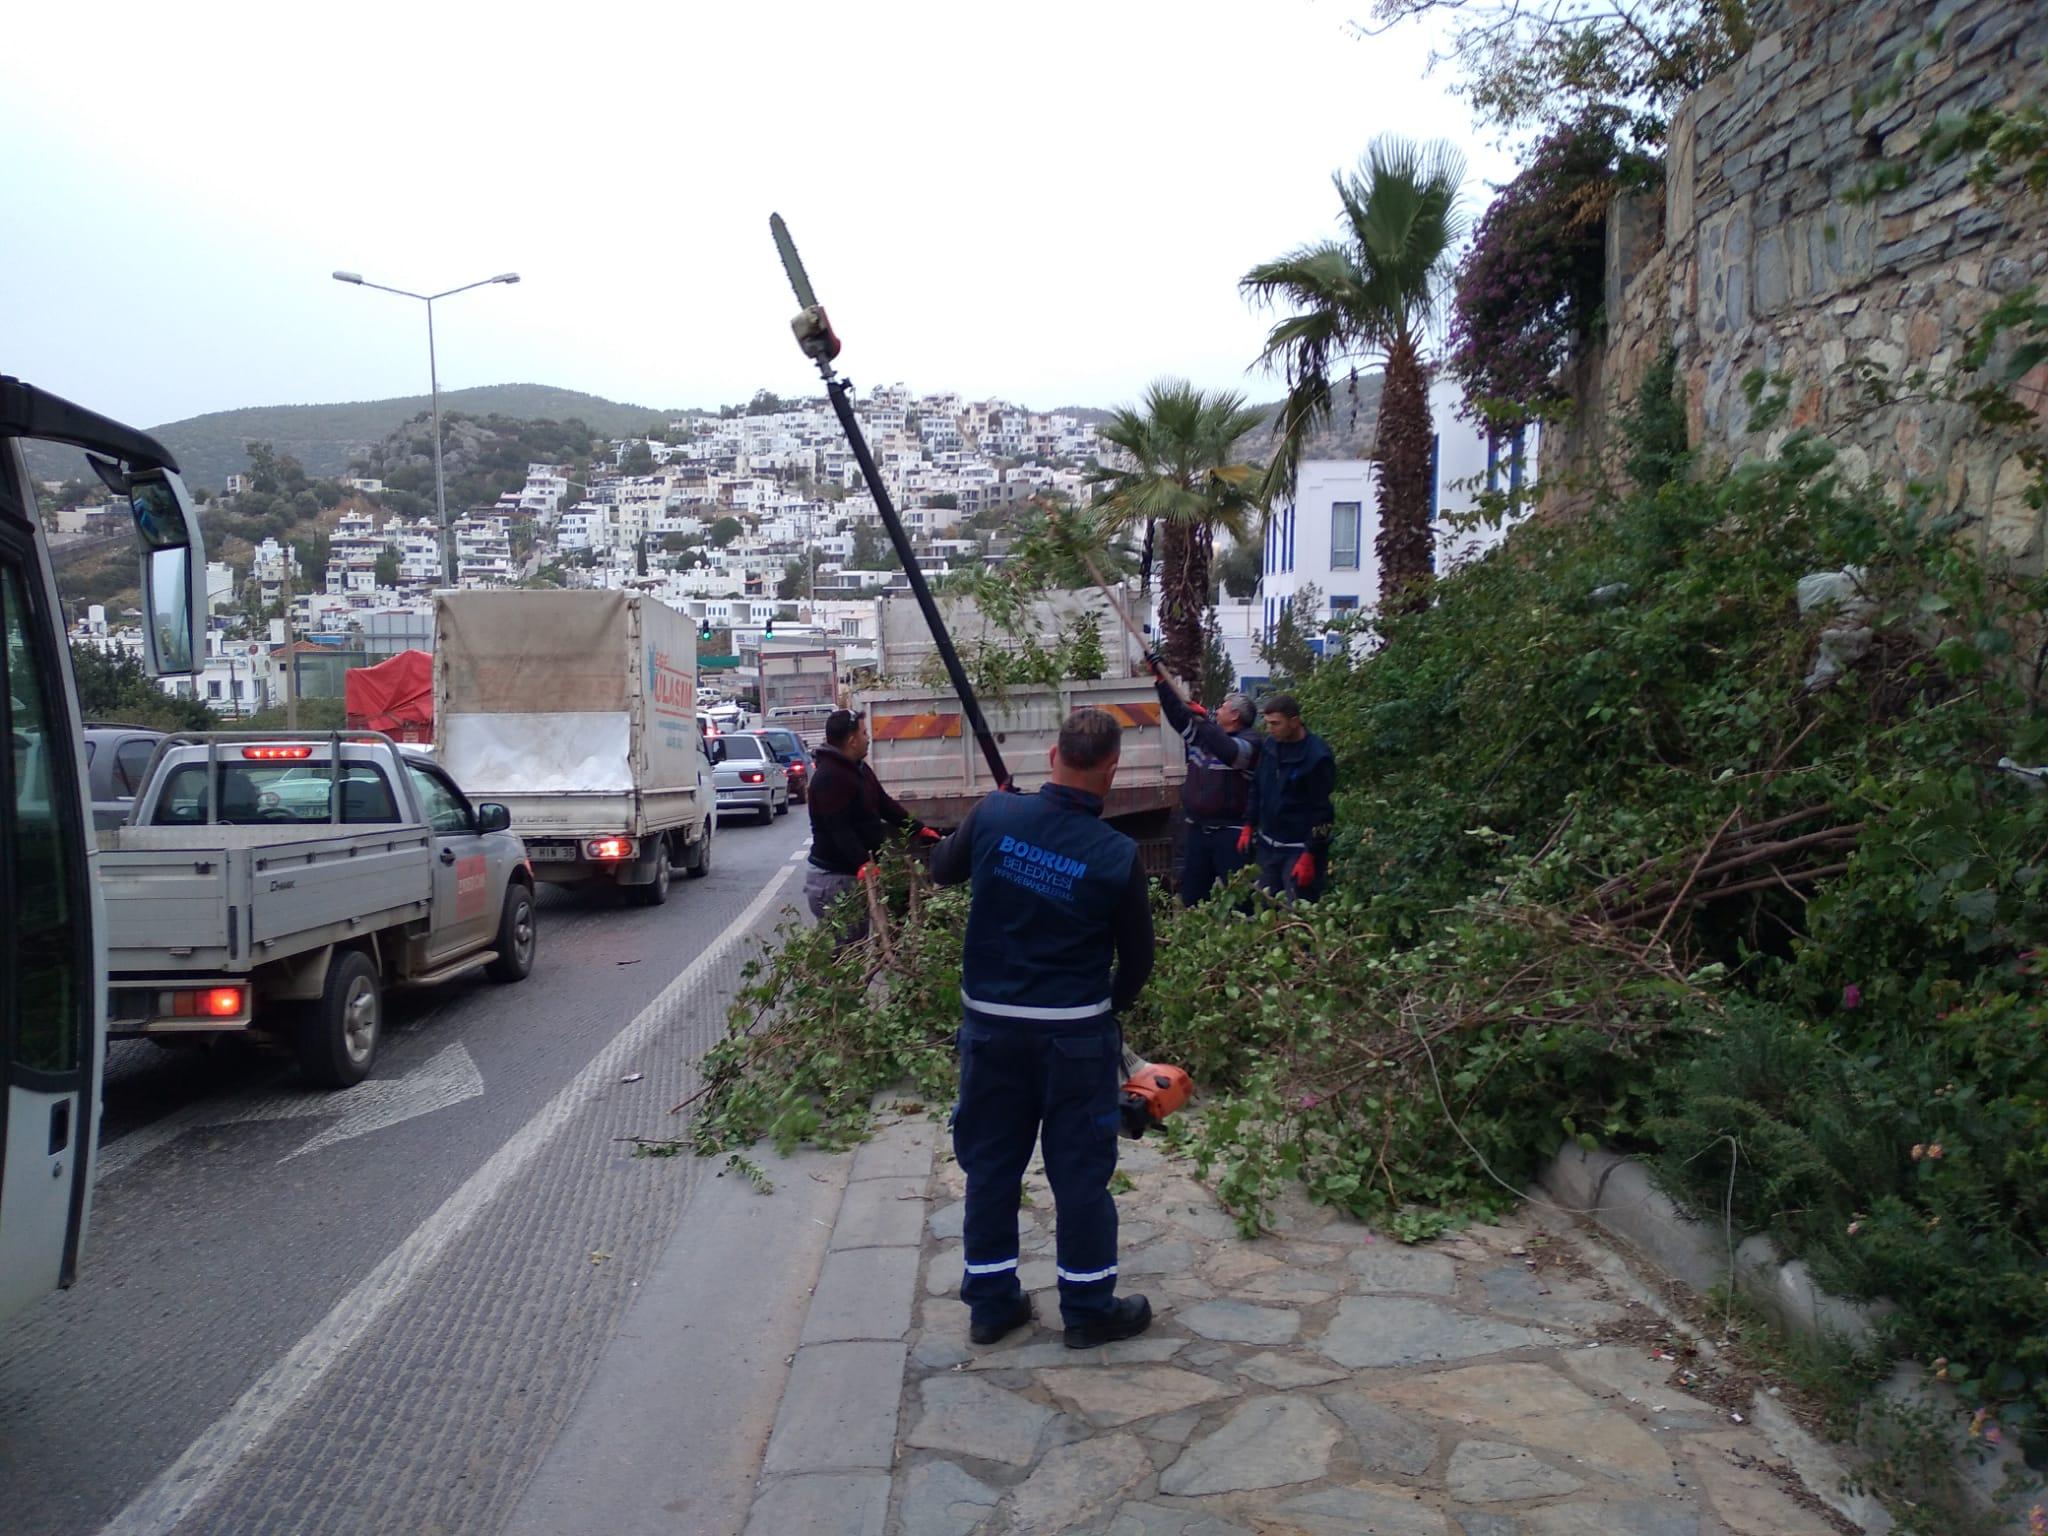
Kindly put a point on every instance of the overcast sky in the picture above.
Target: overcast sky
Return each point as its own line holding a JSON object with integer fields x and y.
{"x": 1049, "y": 202}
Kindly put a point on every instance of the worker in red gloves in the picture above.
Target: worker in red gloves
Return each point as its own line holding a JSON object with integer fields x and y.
{"x": 1221, "y": 752}
{"x": 852, "y": 816}
{"x": 1291, "y": 815}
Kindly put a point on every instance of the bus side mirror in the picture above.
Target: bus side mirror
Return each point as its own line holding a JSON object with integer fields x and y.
{"x": 173, "y": 571}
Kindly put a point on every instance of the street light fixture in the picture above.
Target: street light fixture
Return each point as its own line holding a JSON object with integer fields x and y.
{"x": 434, "y": 379}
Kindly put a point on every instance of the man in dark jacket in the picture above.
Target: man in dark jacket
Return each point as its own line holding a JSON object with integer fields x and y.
{"x": 851, "y": 817}
{"x": 1059, "y": 942}
{"x": 1291, "y": 815}
{"x": 1214, "y": 796}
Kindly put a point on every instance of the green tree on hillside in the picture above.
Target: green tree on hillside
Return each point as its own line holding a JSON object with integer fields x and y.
{"x": 116, "y": 687}
{"x": 1372, "y": 296}
{"x": 725, "y": 530}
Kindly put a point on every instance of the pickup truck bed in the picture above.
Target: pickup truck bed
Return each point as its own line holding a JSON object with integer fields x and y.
{"x": 183, "y": 898}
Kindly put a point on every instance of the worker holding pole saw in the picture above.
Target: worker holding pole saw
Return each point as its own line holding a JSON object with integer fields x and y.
{"x": 1059, "y": 944}
{"x": 1223, "y": 754}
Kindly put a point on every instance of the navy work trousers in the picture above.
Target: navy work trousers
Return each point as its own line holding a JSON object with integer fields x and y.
{"x": 1276, "y": 872}
{"x": 1208, "y": 854}
{"x": 1020, "y": 1085}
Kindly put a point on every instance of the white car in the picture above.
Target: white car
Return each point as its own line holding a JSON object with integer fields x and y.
{"x": 749, "y": 777}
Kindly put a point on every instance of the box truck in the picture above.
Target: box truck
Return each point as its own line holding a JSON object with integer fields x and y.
{"x": 577, "y": 711}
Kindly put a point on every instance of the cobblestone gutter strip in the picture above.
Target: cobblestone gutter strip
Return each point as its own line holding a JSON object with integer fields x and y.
{"x": 1616, "y": 1194}
{"x": 834, "y": 1444}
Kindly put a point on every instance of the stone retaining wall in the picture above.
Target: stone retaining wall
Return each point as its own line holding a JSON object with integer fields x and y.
{"x": 1762, "y": 259}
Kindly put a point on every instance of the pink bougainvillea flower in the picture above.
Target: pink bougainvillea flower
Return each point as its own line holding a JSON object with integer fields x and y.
{"x": 1852, "y": 996}
{"x": 1919, "y": 1150}
{"x": 1934, "y": 1150}
{"x": 1855, "y": 1227}
{"x": 1310, "y": 1100}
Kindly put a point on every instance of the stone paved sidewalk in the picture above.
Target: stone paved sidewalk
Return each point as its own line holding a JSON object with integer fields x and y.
{"x": 1319, "y": 1382}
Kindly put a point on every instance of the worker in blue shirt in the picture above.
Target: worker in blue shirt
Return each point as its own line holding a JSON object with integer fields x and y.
{"x": 1059, "y": 943}
{"x": 1222, "y": 750}
{"x": 1290, "y": 816}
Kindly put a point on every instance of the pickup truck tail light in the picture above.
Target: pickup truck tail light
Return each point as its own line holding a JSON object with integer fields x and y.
{"x": 753, "y": 776}
{"x": 608, "y": 848}
{"x": 276, "y": 754}
{"x": 203, "y": 1003}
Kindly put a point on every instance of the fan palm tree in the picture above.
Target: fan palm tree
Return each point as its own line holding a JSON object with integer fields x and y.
{"x": 1372, "y": 296}
{"x": 1183, "y": 475}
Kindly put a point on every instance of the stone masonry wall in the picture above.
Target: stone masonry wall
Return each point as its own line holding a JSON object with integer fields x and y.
{"x": 1761, "y": 259}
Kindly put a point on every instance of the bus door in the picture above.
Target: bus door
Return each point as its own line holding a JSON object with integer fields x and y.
{"x": 46, "y": 972}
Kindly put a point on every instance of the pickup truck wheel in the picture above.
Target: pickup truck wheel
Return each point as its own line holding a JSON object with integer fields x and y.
{"x": 655, "y": 891}
{"x": 517, "y": 938}
{"x": 702, "y": 867}
{"x": 337, "y": 1037}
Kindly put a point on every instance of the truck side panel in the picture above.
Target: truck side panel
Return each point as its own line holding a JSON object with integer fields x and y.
{"x": 165, "y": 901}
{"x": 925, "y": 755}
{"x": 664, "y": 659}
{"x": 332, "y": 882}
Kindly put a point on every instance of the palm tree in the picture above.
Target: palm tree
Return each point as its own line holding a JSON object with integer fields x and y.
{"x": 1183, "y": 476}
{"x": 1372, "y": 296}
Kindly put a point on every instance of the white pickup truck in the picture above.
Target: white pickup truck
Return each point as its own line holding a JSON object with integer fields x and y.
{"x": 276, "y": 884}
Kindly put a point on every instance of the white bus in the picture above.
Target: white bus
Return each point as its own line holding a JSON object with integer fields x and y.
{"x": 52, "y": 943}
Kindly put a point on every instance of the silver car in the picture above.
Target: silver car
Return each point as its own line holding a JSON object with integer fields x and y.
{"x": 748, "y": 777}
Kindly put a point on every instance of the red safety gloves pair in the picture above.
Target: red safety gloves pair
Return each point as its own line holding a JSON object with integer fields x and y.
{"x": 1304, "y": 871}
{"x": 1244, "y": 840}
{"x": 925, "y": 836}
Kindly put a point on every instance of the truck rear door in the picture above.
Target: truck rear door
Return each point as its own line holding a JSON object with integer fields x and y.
{"x": 46, "y": 975}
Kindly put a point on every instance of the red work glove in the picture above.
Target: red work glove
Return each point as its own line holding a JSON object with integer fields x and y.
{"x": 925, "y": 835}
{"x": 1199, "y": 711}
{"x": 865, "y": 872}
{"x": 1244, "y": 840}
{"x": 1304, "y": 871}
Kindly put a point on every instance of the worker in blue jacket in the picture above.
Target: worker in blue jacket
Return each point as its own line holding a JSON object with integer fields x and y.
{"x": 1059, "y": 943}
{"x": 1214, "y": 797}
{"x": 1291, "y": 816}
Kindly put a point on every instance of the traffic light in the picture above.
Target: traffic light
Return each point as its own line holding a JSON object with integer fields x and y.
{"x": 703, "y": 630}
{"x": 768, "y": 629}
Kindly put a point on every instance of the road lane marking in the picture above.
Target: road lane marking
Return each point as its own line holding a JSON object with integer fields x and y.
{"x": 448, "y": 1077}
{"x": 240, "y": 1432}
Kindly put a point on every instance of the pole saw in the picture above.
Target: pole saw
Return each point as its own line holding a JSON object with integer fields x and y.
{"x": 1151, "y": 1092}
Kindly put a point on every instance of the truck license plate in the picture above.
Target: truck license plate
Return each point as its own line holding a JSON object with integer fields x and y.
{"x": 551, "y": 853}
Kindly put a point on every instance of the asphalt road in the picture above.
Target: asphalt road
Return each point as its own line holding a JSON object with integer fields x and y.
{"x": 372, "y": 1311}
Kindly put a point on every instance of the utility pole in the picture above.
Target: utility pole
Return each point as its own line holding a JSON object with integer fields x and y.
{"x": 291, "y": 662}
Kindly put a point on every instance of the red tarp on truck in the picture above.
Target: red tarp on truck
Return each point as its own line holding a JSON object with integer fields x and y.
{"x": 395, "y": 697}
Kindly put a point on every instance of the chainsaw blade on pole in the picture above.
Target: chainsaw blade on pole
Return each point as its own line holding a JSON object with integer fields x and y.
{"x": 792, "y": 264}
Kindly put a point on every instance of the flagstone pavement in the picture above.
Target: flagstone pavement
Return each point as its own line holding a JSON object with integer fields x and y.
{"x": 1319, "y": 1381}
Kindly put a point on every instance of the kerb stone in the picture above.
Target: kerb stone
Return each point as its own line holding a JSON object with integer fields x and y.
{"x": 822, "y": 1506}
{"x": 880, "y": 1213}
{"x": 899, "y": 1151}
{"x": 863, "y": 1293}
{"x": 838, "y": 1412}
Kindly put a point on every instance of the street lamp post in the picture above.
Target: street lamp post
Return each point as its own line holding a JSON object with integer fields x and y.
{"x": 434, "y": 380}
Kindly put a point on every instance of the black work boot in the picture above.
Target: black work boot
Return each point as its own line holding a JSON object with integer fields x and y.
{"x": 1127, "y": 1317}
{"x": 990, "y": 1333}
